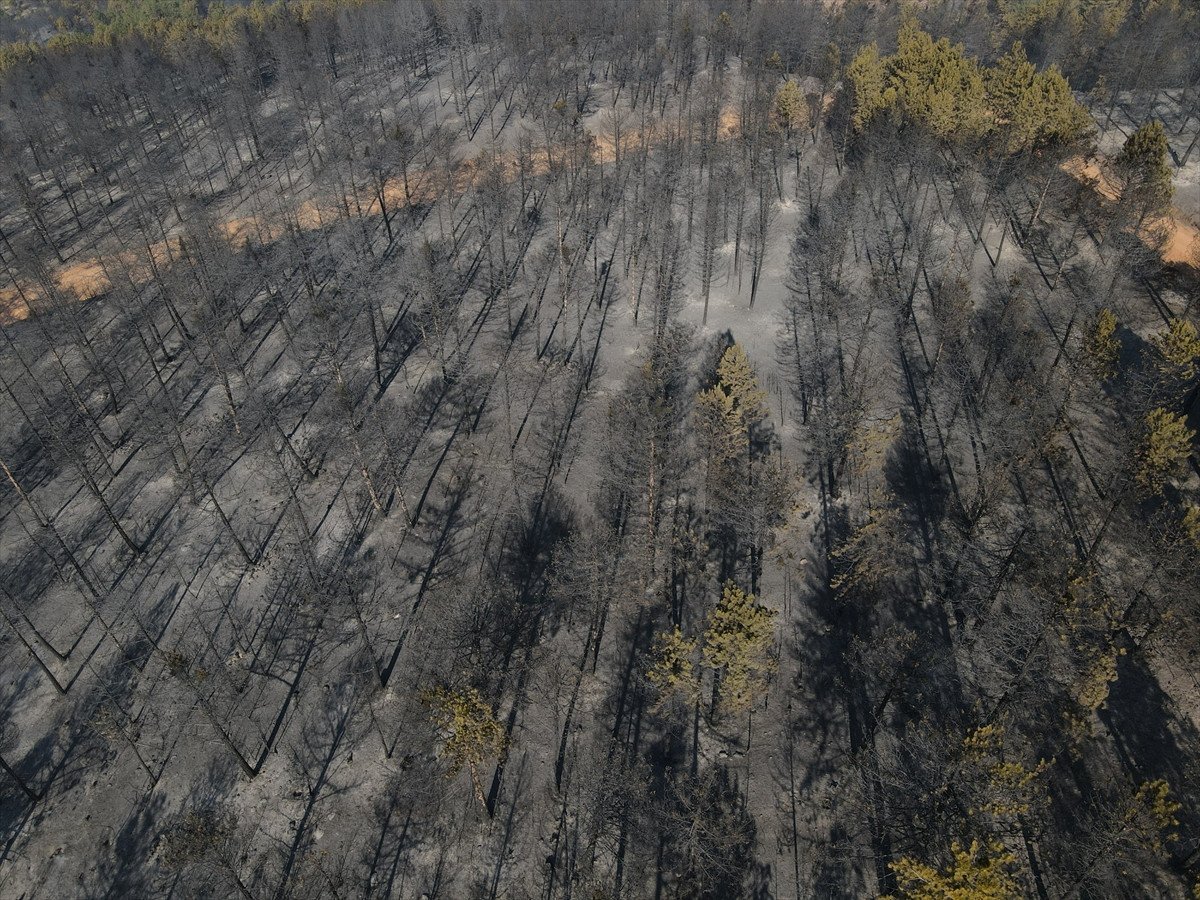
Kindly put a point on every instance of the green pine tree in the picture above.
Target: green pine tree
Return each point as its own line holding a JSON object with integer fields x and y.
{"x": 934, "y": 84}
{"x": 867, "y": 73}
{"x": 1165, "y": 445}
{"x": 1177, "y": 350}
{"x": 938, "y": 85}
{"x": 731, "y": 407}
{"x": 790, "y": 109}
{"x": 672, "y": 670}
{"x": 976, "y": 873}
{"x": 1101, "y": 347}
{"x": 1031, "y": 108}
{"x": 737, "y": 646}
{"x": 1144, "y": 172}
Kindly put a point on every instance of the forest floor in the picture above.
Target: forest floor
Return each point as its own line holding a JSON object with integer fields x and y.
{"x": 330, "y": 780}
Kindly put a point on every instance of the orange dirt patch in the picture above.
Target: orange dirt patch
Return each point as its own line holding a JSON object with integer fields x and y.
{"x": 729, "y": 123}
{"x": 84, "y": 279}
{"x": 12, "y": 306}
{"x": 1182, "y": 239}
{"x": 1088, "y": 170}
{"x": 1183, "y": 243}
{"x": 239, "y": 231}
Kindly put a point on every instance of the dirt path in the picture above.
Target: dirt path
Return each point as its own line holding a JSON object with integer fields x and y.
{"x": 86, "y": 279}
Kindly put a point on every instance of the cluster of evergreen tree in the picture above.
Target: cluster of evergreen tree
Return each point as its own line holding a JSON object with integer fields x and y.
{"x": 935, "y": 85}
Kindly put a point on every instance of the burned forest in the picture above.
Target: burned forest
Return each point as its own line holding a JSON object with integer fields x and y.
{"x": 615, "y": 449}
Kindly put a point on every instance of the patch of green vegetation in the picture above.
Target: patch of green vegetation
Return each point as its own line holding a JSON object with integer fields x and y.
{"x": 935, "y": 85}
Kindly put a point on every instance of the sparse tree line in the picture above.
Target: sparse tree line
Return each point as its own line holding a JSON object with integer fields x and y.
{"x": 497, "y": 449}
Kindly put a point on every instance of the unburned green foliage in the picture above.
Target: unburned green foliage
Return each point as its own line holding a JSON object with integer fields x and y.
{"x": 731, "y": 407}
{"x": 974, "y": 873}
{"x": 469, "y": 731}
{"x": 737, "y": 644}
{"x": 672, "y": 670}
{"x": 936, "y": 86}
{"x": 1177, "y": 351}
{"x": 790, "y": 109}
{"x": 1101, "y": 346}
{"x": 1166, "y": 443}
{"x": 1143, "y": 169}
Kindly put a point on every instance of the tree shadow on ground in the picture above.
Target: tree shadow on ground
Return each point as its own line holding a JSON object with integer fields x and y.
{"x": 1154, "y": 739}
